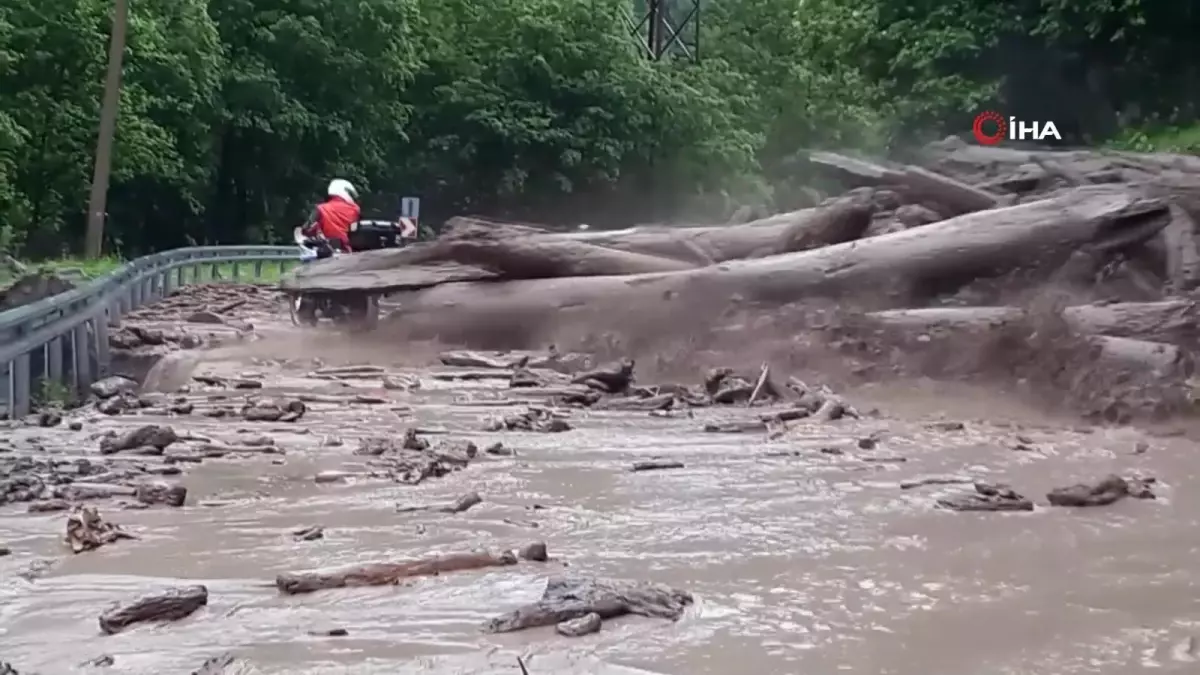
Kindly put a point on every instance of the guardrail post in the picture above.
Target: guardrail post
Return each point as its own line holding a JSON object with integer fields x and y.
{"x": 196, "y": 274}
{"x": 166, "y": 280}
{"x": 258, "y": 269}
{"x": 54, "y": 360}
{"x": 103, "y": 360}
{"x": 7, "y": 371}
{"x": 124, "y": 303}
{"x": 215, "y": 272}
{"x": 237, "y": 271}
{"x": 83, "y": 359}
{"x": 19, "y": 395}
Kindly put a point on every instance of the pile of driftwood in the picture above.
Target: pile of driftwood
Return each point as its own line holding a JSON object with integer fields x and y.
{"x": 1103, "y": 226}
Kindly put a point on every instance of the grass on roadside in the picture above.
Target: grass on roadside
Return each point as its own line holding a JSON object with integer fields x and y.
{"x": 81, "y": 271}
{"x": 1182, "y": 140}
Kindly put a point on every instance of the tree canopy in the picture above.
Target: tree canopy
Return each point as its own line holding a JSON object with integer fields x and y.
{"x": 235, "y": 113}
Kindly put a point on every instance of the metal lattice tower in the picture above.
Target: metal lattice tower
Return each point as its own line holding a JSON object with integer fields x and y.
{"x": 666, "y": 27}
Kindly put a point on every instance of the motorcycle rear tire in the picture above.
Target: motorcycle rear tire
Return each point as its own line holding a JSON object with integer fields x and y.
{"x": 360, "y": 314}
{"x": 303, "y": 311}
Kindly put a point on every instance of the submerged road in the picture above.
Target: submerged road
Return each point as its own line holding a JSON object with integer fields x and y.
{"x": 807, "y": 550}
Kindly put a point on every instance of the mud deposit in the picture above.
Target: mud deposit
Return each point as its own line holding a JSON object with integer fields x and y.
{"x": 809, "y": 545}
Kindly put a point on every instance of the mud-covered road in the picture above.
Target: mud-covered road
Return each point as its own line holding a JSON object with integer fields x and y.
{"x": 808, "y": 549}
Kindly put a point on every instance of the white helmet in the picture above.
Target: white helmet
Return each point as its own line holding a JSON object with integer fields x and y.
{"x": 340, "y": 187}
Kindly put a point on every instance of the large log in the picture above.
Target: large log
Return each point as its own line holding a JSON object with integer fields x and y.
{"x": 1170, "y": 321}
{"x": 1175, "y": 321}
{"x": 956, "y": 197}
{"x": 1143, "y": 356}
{"x": 475, "y": 251}
{"x": 1164, "y": 175}
{"x": 479, "y": 251}
{"x": 766, "y": 236}
{"x": 385, "y": 574}
{"x": 945, "y": 318}
{"x": 1182, "y": 243}
{"x": 1174, "y": 255}
{"x": 979, "y": 244}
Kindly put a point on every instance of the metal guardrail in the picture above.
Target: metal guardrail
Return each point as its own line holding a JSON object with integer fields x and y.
{"x": 64, "y": 338}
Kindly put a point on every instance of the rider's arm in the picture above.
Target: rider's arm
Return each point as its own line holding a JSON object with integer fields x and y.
{"x": 310, "y": 225}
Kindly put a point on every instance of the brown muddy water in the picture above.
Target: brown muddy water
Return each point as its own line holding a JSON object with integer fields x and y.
{"x": 801, "y": 560}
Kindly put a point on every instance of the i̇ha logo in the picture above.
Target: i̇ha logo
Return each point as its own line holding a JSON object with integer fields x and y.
{"x": 990, "y": 128}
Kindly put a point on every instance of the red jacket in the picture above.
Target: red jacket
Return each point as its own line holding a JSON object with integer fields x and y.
{"x": 334, "y": 218}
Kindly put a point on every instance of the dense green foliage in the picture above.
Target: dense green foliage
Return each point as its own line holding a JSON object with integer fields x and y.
{"x": 234, "y": 113}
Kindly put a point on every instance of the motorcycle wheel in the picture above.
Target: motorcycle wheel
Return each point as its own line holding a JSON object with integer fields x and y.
{"x": 360, "y": 314}
{"x": 300, "y": 315}
{"x": 370, "y": 317}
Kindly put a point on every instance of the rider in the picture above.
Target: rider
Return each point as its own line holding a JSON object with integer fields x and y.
{"x": 333, "y": 217}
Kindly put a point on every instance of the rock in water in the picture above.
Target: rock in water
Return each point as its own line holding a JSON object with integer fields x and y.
{"x": 111, "y": 386}
{"x": 153, "y": 435}
{"x": 568, "y": 598}
{"x": 1108, "y": 490}
{"x": 171, "y": 372}
{"x": 988, "y": 497}
{"x": 584, "y": 625}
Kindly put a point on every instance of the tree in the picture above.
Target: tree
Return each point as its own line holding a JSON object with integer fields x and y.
{"x": 313, "y": 90}
{"x": 236, "y": 113}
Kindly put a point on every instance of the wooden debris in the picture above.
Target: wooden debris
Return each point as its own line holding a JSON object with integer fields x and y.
{"x": 170, "y": 605}
{"x": 384, "y": 574}
{"x": 87, "y": 531}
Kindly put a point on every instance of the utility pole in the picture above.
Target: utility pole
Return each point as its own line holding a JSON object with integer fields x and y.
{"x": 666, "y": 27}
{"x": 98, "y": 199}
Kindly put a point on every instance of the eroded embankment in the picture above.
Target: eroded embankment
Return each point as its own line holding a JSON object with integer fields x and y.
{"x": 807, "y": 527}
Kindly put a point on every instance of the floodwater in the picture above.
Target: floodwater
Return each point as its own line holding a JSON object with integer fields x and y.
{"x": 801, "y": 560}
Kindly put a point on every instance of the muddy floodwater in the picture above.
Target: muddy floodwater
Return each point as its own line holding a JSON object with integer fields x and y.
{"x": 804, "y": 553}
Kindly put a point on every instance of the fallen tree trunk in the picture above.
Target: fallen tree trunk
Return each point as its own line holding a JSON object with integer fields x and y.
{"x": 1142, "y": 356}
{"x": 1182, "y": 251}
{"x": 473, "y": 251}
{"x": 386, "y": 574}
{"x": 1171, "y": 321}
{"x": 945, "y": 318}
{"x": 1026, "y": 174}
{"x": 986, "y": 243}
{"x": 776, "y": 234}
{"x": 476, "y": 252}
{"x": 916, "y": 184}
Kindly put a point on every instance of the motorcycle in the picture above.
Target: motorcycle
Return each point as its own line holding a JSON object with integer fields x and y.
{"x": 351, "y": 309}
